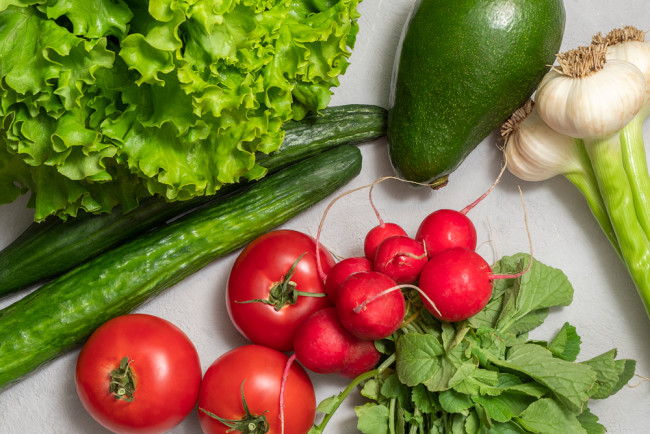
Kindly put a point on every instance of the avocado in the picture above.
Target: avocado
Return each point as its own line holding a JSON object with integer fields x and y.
{"x": 462, "y": 68}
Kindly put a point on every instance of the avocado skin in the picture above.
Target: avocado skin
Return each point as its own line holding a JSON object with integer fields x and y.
{"x": 462, "y": 68}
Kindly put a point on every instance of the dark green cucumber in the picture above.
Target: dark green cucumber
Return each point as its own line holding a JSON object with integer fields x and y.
{"x": 463, "y": 67}
{"x": 337, "y": 125}
{"x": 52, "y": 247}
{"x": 62, "y": 313}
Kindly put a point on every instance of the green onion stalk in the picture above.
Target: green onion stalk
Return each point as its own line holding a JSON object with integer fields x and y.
{"x": 628, "y": 44}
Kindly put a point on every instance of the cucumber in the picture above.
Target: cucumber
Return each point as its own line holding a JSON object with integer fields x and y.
{"x": 52, "y": 247}
{"x": 64, "y": 312}
{"x": 463, "y": 67}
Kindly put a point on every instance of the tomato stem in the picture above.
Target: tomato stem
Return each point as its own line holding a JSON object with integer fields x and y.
{"x": 249, "y": 424}
{"x": 122, "y": 384}
{"x": 285, "y": 291}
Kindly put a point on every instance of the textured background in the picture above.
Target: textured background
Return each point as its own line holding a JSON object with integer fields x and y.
{"x": 605, "y": 310}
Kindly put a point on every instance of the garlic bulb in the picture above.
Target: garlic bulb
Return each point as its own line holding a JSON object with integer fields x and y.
{"x": 588, "y": 97}
{"x": 628, "y": 43}
{"x": 534, "y": 151}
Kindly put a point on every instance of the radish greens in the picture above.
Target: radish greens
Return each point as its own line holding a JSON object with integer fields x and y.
{"x": 486, "y": 372}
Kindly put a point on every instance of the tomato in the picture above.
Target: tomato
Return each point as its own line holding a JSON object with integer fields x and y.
{"x": 165, "y": 372}
{"x": 272, "y": 312}
{"x": 255, "y": 373}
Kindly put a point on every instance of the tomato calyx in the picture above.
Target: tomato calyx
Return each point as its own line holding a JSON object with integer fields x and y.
{"x": 249, "y": 424}
{"x": 122, "y": 384}
{"x": 285, "y": 292}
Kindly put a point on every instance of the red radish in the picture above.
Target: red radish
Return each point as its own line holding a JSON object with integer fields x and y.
{"x": 377, "y": 319}
{"x": 340, "y": 271}
{"x": 363, "y": 356}
{"x": 321, "y": 343}
{"x": 369, "y": 255}
{"x": 459, "y": 283}
{"x": 378, "y": 234}
{"x": 444, "y": 229}
{"x": 401, "y": 258}
{"x": 324, "y": 346}
{"x": 447, "y": 228}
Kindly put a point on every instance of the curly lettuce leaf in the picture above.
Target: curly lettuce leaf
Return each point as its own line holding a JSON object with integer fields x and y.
{"x": 12, "y": 177}
{"x": 92, "y": 18}
{"x": 175, "y": 98}
{"x": 28, "y": 40}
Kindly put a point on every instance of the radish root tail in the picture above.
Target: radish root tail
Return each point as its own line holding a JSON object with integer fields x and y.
{"x": 362, "y": 306}
{"x": 530, "y": 245}
{"x": 285, "y": 374}
{"x": 469, "y": 207}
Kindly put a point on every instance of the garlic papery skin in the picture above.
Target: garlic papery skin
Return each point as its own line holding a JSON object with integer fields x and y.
{"x": 634, "y": 52}
{"x": 638, "y": 54}
{"x": 591, "y": 101}
{"x": 536, "y": 152}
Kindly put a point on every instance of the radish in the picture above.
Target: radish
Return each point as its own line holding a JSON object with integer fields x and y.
{"x": 377, "y": 319}
{"x": 401, "y": 258}
{"x": 457, "y": 283}
{"x": 375, "y": 236}
{"x": 447, "y": 228}
{"x": 444, "y": 229}
{"x": 379, "y": 233}
{"x": 340, "y": 271}
{"x": 324, "y": 346}
{"x": 362, "y": 357}
{"x": 321, "y": 343}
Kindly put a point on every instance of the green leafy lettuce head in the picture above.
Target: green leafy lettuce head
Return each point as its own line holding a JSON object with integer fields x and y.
{"x": 106, "y": 102}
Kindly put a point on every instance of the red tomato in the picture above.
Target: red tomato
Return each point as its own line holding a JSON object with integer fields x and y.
{"x": 260, "y": 369}
{"x": 258, "y": 273}
{"x": 165, "y": 368}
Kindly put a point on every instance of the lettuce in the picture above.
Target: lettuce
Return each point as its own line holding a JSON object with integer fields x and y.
{"x": 105, "y": 102}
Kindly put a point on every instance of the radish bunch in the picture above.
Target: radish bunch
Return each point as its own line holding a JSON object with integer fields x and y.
{"x": 440, "y": 262}
{"x": 455, "y": 282}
